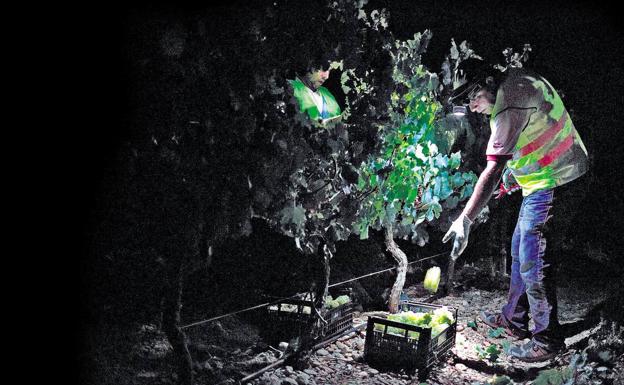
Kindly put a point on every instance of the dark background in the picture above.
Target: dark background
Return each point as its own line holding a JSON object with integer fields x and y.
{"x": 577, "y": 46}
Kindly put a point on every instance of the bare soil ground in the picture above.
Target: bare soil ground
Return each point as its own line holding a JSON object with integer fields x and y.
{"x": 226, "y": 350}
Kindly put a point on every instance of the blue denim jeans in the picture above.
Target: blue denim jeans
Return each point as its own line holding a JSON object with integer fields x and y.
{"x": 532, "y": 289}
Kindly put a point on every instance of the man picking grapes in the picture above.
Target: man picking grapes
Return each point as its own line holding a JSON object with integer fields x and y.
{"x": 534, "y": 137}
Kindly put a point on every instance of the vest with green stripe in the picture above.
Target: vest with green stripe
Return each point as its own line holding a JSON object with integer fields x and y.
{"x": 306, "y": 103}
{"x": 549, "y": 151}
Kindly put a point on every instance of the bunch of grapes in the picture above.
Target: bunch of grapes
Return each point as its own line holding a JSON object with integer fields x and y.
{"x": 331, "y": 303}
{"x": 438, "y": 321}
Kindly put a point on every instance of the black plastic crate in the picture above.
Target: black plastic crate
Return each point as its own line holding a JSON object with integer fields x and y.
{"x": 284, "y": 323}
{"x": 393, "y": 351}
{"x": 338, "y": 320}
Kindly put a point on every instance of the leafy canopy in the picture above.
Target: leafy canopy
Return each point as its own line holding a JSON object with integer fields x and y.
{"x": 409, "y": 180}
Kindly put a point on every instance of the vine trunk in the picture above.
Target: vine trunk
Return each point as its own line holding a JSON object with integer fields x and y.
{"x": 401, "y": 260}
{"x": 171, "y": 322}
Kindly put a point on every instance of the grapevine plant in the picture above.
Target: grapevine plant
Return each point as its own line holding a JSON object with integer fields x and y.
{"x": 409, "y": 181}
{"x": 303, "y": 174}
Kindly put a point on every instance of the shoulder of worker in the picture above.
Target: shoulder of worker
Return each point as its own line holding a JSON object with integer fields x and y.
{"x": 296, "y": 84}
{"x": 517, "y": 90}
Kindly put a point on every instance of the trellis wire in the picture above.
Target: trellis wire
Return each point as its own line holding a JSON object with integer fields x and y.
{"x": 293, "y": 296}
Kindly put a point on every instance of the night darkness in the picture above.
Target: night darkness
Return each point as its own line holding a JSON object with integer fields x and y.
{"x": 577, "y": 46}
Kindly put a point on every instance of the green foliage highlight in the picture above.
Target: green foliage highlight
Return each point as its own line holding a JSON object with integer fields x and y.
{"x": 491, "y": 353}
{"x": 554, "y": 376}
{"x": 496, "y": 333}
{"x": 409, "y": 180}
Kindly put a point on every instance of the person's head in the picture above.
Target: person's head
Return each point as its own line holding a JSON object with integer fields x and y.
{"x": 312, "y": 65}
{"x": 478, "y": 83}
{"x": 482, "y": 101}
{"x": 317, "y": 76}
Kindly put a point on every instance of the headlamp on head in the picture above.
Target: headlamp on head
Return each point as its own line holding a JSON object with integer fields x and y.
{"x": 461, "y": 97}
{"x": 473, "y": 74}
{"x": 460, "y": 110}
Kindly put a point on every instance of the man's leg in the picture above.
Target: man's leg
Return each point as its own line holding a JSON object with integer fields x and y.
{"x": 538, "y": 276}
{"x": 516, "y": 311}
{"x": 515, "y": 314}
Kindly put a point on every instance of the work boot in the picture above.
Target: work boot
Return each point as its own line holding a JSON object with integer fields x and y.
{"x": 534, "y": 352}
{"x": 497, "y": 320}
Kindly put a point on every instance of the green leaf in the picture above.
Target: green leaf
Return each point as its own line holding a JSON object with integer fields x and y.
{"x": 506, "y": 344}
{"x": 343, "y": 80}
{"x": 364, "y": 231}
{"x": 466, "y": 191}
{"x": 298, "y": 216}
{"x": 441, "y": 161}
{"x": 442, "y": 188}
{"x": 361, "y": 183}
{"x": 420, "y": 154}
{"x": 401, "y": 192}
{"x": 427, "y": 196}
{"x": 421, "y": 217}
{"x": 286, "y": 215}
{"x": 412, "y": 194}
{"x": 436, "y": 208}
{"x": 472, "y": 325}
{"x": 391, "y": 212}
{"x": 407, "y": 220}
{"x": 451, "y": 202}
{"x": 457, "y": 180}
{"x": 372, "y": 181}
{"x": 492, "y": 352}
{"x": 431, "y": 213}
{"x": 552, "y": 377}
{"x": 500, "y": 380}
{"x": 455, "y": 160}
{"x": 496, "y": 333}
{"x": 433, "y": 148}
{"x": 337, "y": 65}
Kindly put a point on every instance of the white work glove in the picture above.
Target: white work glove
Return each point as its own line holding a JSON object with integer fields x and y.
{"x": 460, "y": 230}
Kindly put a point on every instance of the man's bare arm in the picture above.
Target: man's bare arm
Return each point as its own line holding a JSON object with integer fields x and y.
{"x": 488, "y": 180}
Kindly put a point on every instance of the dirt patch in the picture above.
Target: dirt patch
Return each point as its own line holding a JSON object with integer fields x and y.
{"x": 227, "y": 350}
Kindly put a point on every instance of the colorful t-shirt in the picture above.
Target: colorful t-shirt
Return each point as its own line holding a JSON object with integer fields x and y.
{"x": 533, "y": 131}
